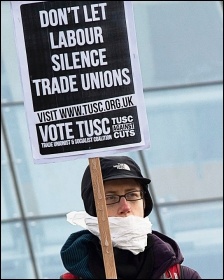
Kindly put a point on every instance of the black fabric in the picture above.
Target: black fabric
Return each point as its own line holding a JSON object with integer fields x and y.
{"x": 81, "y": 255}
{"x": 128, "y": 265}
{"x": 112, "y": 168}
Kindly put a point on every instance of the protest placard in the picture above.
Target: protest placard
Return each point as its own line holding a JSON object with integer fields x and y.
{"x": 81, "y": 78}
{"x": 82, "y": 87}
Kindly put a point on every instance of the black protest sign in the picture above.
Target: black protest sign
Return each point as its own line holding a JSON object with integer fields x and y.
{"x": 80, "y": 77}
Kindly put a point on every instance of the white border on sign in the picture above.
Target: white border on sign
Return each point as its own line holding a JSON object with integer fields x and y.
{"x": 142, "y": 115}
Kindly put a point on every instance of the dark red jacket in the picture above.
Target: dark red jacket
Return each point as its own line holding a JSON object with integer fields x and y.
{"x": 82, "y": 258}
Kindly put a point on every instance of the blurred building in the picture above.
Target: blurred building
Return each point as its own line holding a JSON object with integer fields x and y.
{"x": 180, "y": 46}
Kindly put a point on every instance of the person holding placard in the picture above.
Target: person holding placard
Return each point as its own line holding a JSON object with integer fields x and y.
{"x": 139, "y": 251}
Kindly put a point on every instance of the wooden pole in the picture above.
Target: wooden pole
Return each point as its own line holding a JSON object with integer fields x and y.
{"x": 101, "y": 211}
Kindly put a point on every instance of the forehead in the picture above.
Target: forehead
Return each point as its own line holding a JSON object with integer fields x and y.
{"x": 122, "y": 185}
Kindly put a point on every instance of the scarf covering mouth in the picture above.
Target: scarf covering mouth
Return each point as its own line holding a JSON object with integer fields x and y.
{"x": 127, "y": 233}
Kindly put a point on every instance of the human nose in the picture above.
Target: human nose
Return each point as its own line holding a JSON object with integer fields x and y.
{"x": 124, "y": 206}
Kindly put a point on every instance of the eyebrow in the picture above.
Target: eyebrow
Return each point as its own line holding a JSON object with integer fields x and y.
{"x": 126, "y": 190}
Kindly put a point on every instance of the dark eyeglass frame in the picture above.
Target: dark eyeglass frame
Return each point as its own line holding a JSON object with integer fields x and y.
{"x": 125, "y": 196}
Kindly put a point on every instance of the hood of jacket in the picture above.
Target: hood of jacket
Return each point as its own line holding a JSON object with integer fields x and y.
{"x": 75, "y": 254}
{"x": 166, "y": 253}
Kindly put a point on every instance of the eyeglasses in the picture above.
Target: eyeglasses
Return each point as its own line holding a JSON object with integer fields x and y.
{"x": 130, "y": 196}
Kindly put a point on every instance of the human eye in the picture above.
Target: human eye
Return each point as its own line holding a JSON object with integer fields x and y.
{"x": 111, "y": 198}
{"x": 133, "y": 195}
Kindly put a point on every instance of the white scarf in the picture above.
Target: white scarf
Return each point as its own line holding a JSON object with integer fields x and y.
{"x": 128, "y": 233}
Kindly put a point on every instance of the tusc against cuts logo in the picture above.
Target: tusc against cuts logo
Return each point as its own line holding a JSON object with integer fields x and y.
{"x": 81, "y": 78}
